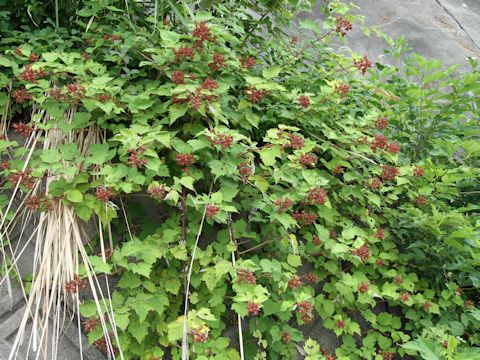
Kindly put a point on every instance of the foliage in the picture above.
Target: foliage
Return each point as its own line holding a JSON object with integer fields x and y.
{"x": 292, "y": 186}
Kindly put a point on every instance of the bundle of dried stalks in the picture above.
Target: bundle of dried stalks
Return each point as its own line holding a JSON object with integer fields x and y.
{"x": 60, "y": 240}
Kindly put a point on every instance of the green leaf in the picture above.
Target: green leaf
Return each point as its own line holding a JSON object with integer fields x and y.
{"x": 268, "y": 154}
{"x": 169, "y": 37}
{"x": 428, "y": 349}
{"x": 272, "y": 72}
{"x": 74, "y": 196}
{"x": 176, "y": 111}
{"x": 139, "y": 330}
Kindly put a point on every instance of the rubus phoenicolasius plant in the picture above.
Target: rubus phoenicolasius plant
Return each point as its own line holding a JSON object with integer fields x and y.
{"x": 244, "y": 188}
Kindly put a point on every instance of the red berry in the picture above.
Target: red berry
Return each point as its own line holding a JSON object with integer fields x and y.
{"x": 245, "y": 170}
{"x": 294, "y": 282}
{"x": 202, "y": 32}
{"x": 294, "y": 40}
{"x": 91, "y": 324}
{"x": 296, "y": 142}
{"x": 363, "y": 64}
{"x": 199, "y": 334}
{"x": 311, "y": 277}
{"x": 304, "y": 217}
{"x": 340, "y": 324}
{"x": 217, "y": 63}
{"x": 338, "y": 170}
{"x": 421, "y": 200}
{"x": 308, "y": 160}
{"x": 157, "y": 192}
{"x": 381, "y": 123}
{"x": 380, "y": 262}
{"x": 76, "y": 90}
{"x": 304, "y": 308}
{"x": 247, "y": 62}
{"x": 21, "y": 95}
{"x": 343, "y": 25}
{"x": 426, "y": 305}
{"x": 379, "y": 142}
{"x": 394, "y": 148}
{"x": 389, "y": 172}
{"x": 178, "y": 77}
{"x": 246, "y": 276}
{"x": 23, "y": 129}
{"x": 183, "y": 53}
{"x": 418, "y": 172}
{"x": 380, "y": 234}
{"x": 304, "y": 101}
{"x": 253, "y": 308}
{"x": 283, "y": 205}
{"x": 316, "y": 196}
{"x": 254, "y": 95}
{"x": 404, "y": 297}
{"x": 286, "y": 337}
{"x": 342, "y": 89}
{"x": 185, "y": 160}
{"x": 104, "y": 194}
{"x": 398, "y": 280}
{"x": 374, "y": 183}
{"x": 211, "y": 211}
{"x": 363, "y": 252}
{"x": 363, "y": 287}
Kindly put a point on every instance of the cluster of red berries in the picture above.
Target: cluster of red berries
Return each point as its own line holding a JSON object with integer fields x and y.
{"x": 23, "y": 178}
{"x": 111, "y": 38}
{"x": 316, "y": 196}
{"x": 404, "y": 297}
{"x": 104, "y": 97}
{"x": 21, "y": 95}
{"x": 211, "y": 211}
{"x": 394, "y": 148}
{"x": 33, "y": 57}
{"x": 338, "y": 170}
{"x": 294, "y": 40}
{"x": 185, "y": 160}
{"x": 253, "y": 308}
{"x": 202, "y": 33}
{"x": 222, "y": 139}
{"x": 286, "y": 337}
{"x": 5, "y": 165}
{"x": 283, "y": 205}
{"x": 304, "y": 217}
{"x": 23, "y": 129}
{"x": 381, "y": 123}
{"x": 101, "y": 344}
{"x": 246, "y": 276}
{"x": 245, "y": 170}
{"x": 91, "y": 324}
{"x": 418, "y": 172}
{"x": 178, "y": 77}
{"x": 374, "y": 183}
{"x": 380, "y": 262}
{"x": 343, "y": 25}
{"x": 32, "y": 75}
{"x": 134, "y": 159}
{"x": 296, "y": 142}
{"x": 304, "y": 101}
{"x": 398, "y": 280}
{"x": 104, "y": 194}
{"x": 459, "y": 291}
{"x": 73, "y": 285}
{"x": 327, "y": 355}
{"x": 379, "y": 142}
{"x": 389, "y": 172}
{"x": 304, "y": 308}
{"x": 209, "y": 84}
{"x": 332, "y": 234}
{"x": 387, "y": 355}
{"x": 217, "y": 63}
{"x": 294, "y": 282}
{"x": 380, "y": 234}
{"x": 157, "y": 192}
{"x": 342, "y": 89}
{"x": 247, "y": 61}
{"x": 37, "y": 202}
{"x": 58, "y": 94}
{"x": 76, "y": 90}
{"x": 316, "y": 240}
{"x": 363, "y": 252}
{"x": 199, "y": 334}
{"x": 426, "y": 305}
{"x": 363, "y": 64}
{"x": 254, "y": 95}
{"x": 340, "y": 324}
{"x": 311, "y": 277}
{"x": 469, "y": 303}
{"x": 363, "y": 287}
{"x": 420, "y": 200}
{"x": 184, "y": 53}
{"x": 308, "y": 160}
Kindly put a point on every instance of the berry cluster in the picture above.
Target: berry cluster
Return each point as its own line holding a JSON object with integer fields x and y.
{"x": 294, "y": 282}
{"x": 316, "y": 196}
{"x": 332, "y": 234}
{"x": 381, "y": 123}
{"x": 308, "y": 160}
{"x": 363, "y": 287}
{"x": 421, "y": 200}
{"x": 253, "y": 308}
{"x": 426, "y": 305}
{"x": 380, "y": 234}
{"x": 254, "y": 95}
{"x": 104, "y": 194}
{"x": 32, "y": 75}
{"x": 343, "y": 25}
{"x": 338, "y": 170}
{"x": 394, "y": 148}
{"x": 245, "y": 170}
{"x": 200, "y": 334}
{"x": 209, "y": 84}
{"x": 101, "y": 344}
{"x": 178, "y": 77}
{"x": 469, "y": 303}
{"x": 103, "y": 97}
{"x": 217, "y": 63}
{"x": 157, "y": 192}
{"x": 311, "y": 277}
{"x": 247, "y": 61}
{"x": 304, "y": 217}
{"x": 363, "y": 64}
{"x": 202, "y": 33}
{"x": 374, "y": 183}
{"x": 37, "y": 202}
{"x": 404, "y": 297}
{"x": 286, "y": 337}
{"x": 91, "y": 324}
{"x": 246, "y": 276}
{"x": 340, "y": 324}
{"x": 294, "y": 40}
{"x": 5, "y": 165}
{"x": 184, "y": 53}
{"x": 211, "y": 211}
{"x": 76, "y": 90}
{"x": 389, "y": 172}
{"x": 23, "y": 129}
{"x": 283, "y": 205}
{"x": 380, "y": 262}
{"x": 112, "y": 38}
{"x": 342, "y": 89}
{"x": 33, "y": 57}
{"x": 57, "y": 94}
{"x": 304, "y": 308}
{"x": 398, "y": 280}
{"x": 222, "y": 139}
{"x": 379, "y": 142}
{"x": 387, "y": 355}
{"x": 304, "y": 101}
{"x": 363, "y": 252}
{"x": 185, "y": 161}
{"x": 23, "y": 178}
{"x": 21, "y": 95}
{"x": 327, "y": 355}
{"x": 134, "y": 159}
{"x": 316, "y": 240}
{"x": 296, "y": 142}
{"x": 73, "y": 285}
{"x": 418, "y": 172}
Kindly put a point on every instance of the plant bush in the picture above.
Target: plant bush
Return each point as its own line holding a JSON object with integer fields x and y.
{"x": 254, "y": 183}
